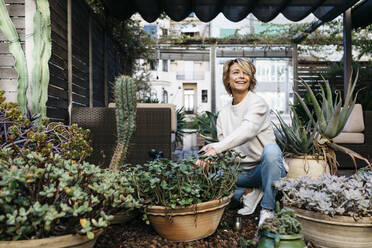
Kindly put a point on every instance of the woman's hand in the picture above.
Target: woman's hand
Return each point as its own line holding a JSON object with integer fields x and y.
{"x": 209, "y": 151}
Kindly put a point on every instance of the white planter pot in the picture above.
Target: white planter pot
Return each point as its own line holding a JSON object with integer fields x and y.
{"x": 306, "y": 166}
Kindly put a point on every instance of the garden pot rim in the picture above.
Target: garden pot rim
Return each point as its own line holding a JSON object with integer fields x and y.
{"x": 192, "y": 209}
{"x": 283, "y": 236}
{"x": 308, "y": 157}
{"x": 51, "y": 239}
{"x": 335, "y": 220}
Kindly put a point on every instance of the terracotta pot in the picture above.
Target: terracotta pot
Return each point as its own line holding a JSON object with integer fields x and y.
{"x": 307, "y": 166}
{"x": 270, "y": 240}
{"x": 190, "y": 223}
{"x": 123, "y": 217}
{"x": 65, "y": 241}
{"x": 338, "y": 231}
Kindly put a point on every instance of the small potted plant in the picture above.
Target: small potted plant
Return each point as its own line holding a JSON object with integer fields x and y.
{"x": 283, "y": 230}
{"x": 48, "y": 195}
{"x": 303, "y": 143}
{"x": 185, "y": 203}
{"x": 340, "y": 205}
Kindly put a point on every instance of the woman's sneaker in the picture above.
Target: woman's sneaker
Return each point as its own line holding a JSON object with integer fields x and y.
{"x": 250, "y": 201}
{"x": 265, "y": 214}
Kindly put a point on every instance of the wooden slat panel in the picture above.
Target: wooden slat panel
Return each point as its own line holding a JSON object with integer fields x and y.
{"x": 8, "y": 73}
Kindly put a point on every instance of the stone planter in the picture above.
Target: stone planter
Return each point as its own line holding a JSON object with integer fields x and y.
{"x": 270, "y": 240}
{"x": 339, "y": 231}
{"x": 65, "y": 241}
{"x": 307, "y": 166}
{"x": 190, "y": 223}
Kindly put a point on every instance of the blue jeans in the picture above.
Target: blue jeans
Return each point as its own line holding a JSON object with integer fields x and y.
{"x": 270, "y": 169}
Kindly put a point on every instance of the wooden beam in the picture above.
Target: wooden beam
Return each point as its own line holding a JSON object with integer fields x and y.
{"x": 69, "y": 57}
{"x": 347, "y": 51}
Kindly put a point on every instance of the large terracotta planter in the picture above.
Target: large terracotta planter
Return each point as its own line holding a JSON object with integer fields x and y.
{"x": 306, "y": 166}
{"x": 339, "y": 231}
{"x": 190, "y": 223}
{"x": 65, "y": 241}
{"x": 270, "y": 240}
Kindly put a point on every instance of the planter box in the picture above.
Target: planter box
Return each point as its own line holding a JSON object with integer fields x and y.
{"x": 335, "y": 232}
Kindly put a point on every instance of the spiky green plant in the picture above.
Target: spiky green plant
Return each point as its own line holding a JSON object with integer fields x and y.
{"x": 296, "y": 139}
{"x": 332, "y": 117}
{"x": 207, "y": 125}
{"x": 41, "y": 55}
{"x": 126, "y": 108}
{"x": 181, "y": 125}
{"x": 15, "y": 47}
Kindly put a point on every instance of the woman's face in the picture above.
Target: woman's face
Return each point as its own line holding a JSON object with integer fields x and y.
{"x": 238, "y": 79}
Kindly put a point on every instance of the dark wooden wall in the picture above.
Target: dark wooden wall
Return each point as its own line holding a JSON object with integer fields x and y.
{"x": 94, "y": 57}
{"x": 8, "y": 75}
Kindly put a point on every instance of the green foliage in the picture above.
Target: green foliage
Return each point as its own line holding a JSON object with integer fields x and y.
{"x": 41, "y": 54}
{"x": 181, "y": 124}
{"x": 126, "y": 109}
{"x": 284, "y": 222}
{"x": 207, "y": 125}
{"x": 15, "y": 47}
{"x": 42, "y": 196}
{"x": 20, "y": 134}
{"x": 171, "y": 184}
{"x": 297, "y": 139}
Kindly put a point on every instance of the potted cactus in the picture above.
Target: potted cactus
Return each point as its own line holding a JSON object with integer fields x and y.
{"x": 283, "y": 230}
{"x": 48, "y": 195}
{"x": 308, "y": 147}
{"x": 181, "y": 202}
{"x": 340, "y": 205}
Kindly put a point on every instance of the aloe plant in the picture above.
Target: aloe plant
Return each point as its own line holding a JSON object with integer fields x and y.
{"x": 207, "y": 125}
{"x": 332, "y": 117}
{"x": 296, "y": 139}
{"x": 41, "y": 55}
{"x": 20, "y": 65}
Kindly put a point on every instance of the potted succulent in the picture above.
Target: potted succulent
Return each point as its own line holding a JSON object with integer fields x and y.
{"x": 342, "y": 206}
{"x": 185, "y": 203}
{"x": 315, "y": 137}
{"x": 48, "y": 195}
{"x": 283, "y": 230}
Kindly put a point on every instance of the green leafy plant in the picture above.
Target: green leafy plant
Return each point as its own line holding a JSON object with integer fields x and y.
{"x": 125, "y": 110}
{"x": 50, "y": 196}
{"x": 284, "y": 222}
{"x": 168, "y": 183}
{"x": 331, "y": 118}
{"x": 296, "y": 139}
{"x": 207, "y": 125}
{"x": 47, "y": 138}
{"x": 181, "y": 124}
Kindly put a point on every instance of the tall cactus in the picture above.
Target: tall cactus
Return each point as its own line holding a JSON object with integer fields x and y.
{"x": 126, "y": 108}
{"x": 20, "y": 65}
{"x": 41, "y": 55}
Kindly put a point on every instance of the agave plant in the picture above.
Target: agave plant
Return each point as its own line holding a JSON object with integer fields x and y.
{"x": 296, "y": 139}
{"x": 332, "y": 117}
{"x": 181, "y": 125}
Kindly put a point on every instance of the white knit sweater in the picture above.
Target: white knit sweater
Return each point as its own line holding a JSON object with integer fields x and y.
{"x": 245, "y": 127}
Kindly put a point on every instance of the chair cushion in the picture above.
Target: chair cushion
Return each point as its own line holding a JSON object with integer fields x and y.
{"x": 351, "y": 138}
{"x": 355, "y": 123}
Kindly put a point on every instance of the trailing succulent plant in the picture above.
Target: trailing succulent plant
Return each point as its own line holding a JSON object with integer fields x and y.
{"x": 168, "y": 183}
{"x": 284, "y": 222}
{"x": 51, "y": 196}
{"x": 20, "y": 134}
{"x": 126, "y": 108}
{"x": 331, "y": 195}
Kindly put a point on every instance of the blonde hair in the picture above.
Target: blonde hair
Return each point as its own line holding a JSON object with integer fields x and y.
{"x": 246, "y": 66}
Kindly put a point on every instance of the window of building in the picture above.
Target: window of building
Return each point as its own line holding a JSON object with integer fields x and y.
{"x": 165, "y": 65}
{"x": 204, "y": 96}
{"x": 189, "y": 101}
{"x": 165, "y": 96}
{"x": 225, "y": 32}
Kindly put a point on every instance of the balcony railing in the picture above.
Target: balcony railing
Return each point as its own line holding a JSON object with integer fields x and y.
{"x": 193, "y": 75}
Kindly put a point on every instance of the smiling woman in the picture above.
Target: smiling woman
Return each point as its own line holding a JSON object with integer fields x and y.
{"x": 245, "y": 126}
